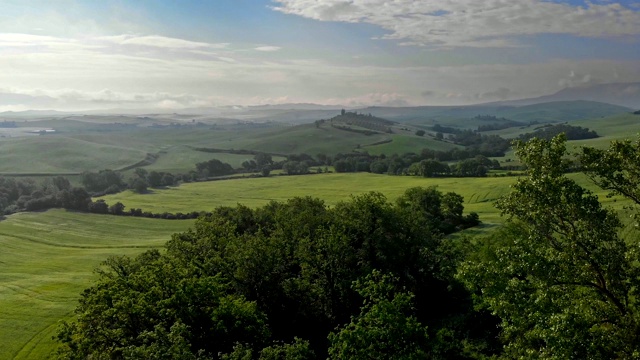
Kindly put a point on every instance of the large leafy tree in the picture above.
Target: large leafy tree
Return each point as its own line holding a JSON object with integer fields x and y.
{"x": 385, "y": 327}
{"x": 152, "y": 308}
{"x": 562, "y": 281}
{"x": 616, "y": 169}
{"x": 245, "y": 283}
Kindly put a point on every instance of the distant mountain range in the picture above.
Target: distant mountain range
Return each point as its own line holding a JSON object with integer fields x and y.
{"x": 586, "y": 98}
{"x": 622, "y": 94}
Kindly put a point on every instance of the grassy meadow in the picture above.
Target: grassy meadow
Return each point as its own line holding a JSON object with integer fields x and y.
{"x": 331, "y": 187}
{"x": 48, "y": 258}
{"x": 479, "y": 193}
{"x": 55, "y": 154}
{"x": 401, "y": 144}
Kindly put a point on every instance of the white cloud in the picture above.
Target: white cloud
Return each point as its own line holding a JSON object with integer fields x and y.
{"x": 74, "y": 73}
{"x": 371, "y": 99}
{"x": 9, "y": 40}
{"x": 77, "y": 99}
{"x": 498, "y": 94}
{"x": 15, "y": 108}
{"x": 159, "y": 41}
{"x": 472, "y": 23}
{"x": 268, "y": 48}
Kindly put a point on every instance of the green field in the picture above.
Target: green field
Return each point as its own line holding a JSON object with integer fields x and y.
{"x": 57, "y": 154}
{"x": 48, "y": 258}
{"x": 403, "y": 144}
{"x": 181, "y": 159}
{"x": 479, "y": 193}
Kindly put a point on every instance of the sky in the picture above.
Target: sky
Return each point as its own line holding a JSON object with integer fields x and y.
{"x": 169, "y": 54}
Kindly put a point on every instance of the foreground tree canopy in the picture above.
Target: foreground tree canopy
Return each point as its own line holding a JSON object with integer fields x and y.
{"x": 561, "y": 279}
{"x": 277, "y": 281}
{"x": 373, "y": 279}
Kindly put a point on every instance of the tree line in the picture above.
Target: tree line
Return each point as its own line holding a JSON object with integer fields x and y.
{"x": 496, "y": 123}
{"x": 423, "y": 164}
{"x": 25, "y": 194}
{"x": 548, "y": 132}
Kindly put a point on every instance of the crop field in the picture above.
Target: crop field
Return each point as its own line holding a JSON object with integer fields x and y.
{"x": 181, "y": 159}
{"x": 48, "y": 258}
{"x": 55, "y": 154}
{"x": 479, "y": 193}
{"x": 309, "y": 139}
{"x": 402, "y": 144}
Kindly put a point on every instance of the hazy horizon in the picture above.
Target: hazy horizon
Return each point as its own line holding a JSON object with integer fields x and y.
{"x": 85, "y": 55}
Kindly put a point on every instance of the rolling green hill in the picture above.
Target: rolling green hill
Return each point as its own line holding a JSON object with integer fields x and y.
{"x": 92, "y": 143}
{"x": 58, "y": 155}
{"x": 48, "y": 258}
{"x": 182, "y": 159}
{"x": 462, "y": 116}
{"x": 401, "y": 144}
{"x": 621, "y": 126}
{"x": 479, "y": 193}
{"x": 307, "y": 139}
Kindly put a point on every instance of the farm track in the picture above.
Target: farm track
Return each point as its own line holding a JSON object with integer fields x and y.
{"x": 25, "y": 353}
{"x": 49, "y": 243}
{"x": 149, "y": 159}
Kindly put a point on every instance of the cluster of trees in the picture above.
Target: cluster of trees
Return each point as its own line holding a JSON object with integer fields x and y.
{"x": 261, "y": 162}
{"x": 474, "y": 142}
{"x": 103, "y": 181}
{"x": 8, "y": 124}
{"x": 213, "y": 167}
{"x": 375, "y": 124}
{"x": 551, "y": 131}
{"x": 157, "y": 178}
{"x": 299, "y": 164}
{"x": 292, "y": 280}
{"x": 496, "y": 123}
{"x": 368, "y": 278}
{"x": 486, "y": 145}
{"x": 295, "y": 167}
{"x": 359, "y": 131}
{"x": 111, "y": 182}
{"x": 424, "y": 164}
{"x": 475, "y": 167}
{"x": 25, "y": 194}
{"x": 445, "y": 129}
{"x": 101, "y": 207}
